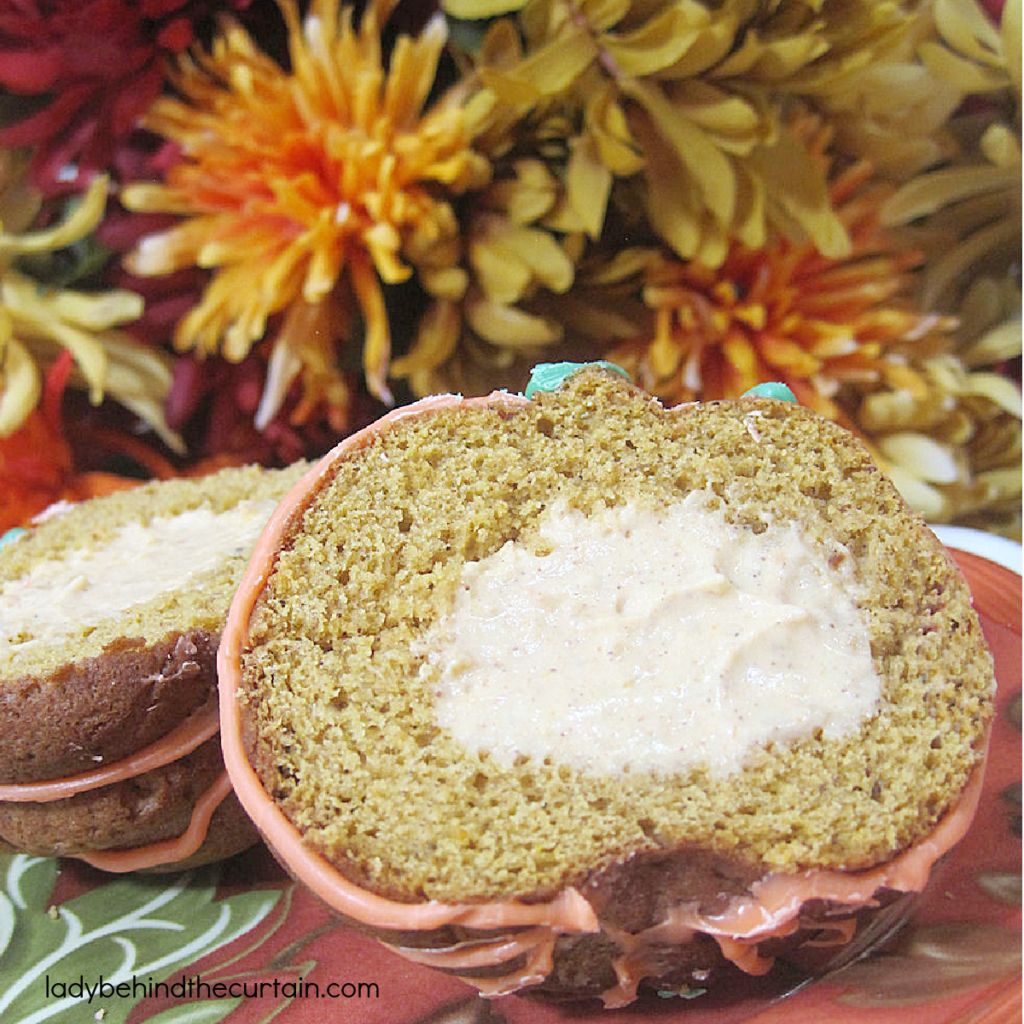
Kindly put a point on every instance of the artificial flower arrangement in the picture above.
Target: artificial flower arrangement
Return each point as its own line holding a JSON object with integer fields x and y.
{"x": 234, "y": 231}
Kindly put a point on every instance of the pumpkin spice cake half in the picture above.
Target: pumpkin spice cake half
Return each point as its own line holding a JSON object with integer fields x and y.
{"x": 581, "y": 695}
{"x": 110, "y": 616}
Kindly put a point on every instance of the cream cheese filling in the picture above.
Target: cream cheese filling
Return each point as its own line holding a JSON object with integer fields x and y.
{"x": 139, "y": 562}
{"x": 652, "y": 640}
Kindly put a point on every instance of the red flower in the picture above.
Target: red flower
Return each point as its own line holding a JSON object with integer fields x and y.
{"x": 88, "y": 70}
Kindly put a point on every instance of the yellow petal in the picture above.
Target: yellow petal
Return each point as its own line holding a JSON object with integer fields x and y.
{"x": 998, "y": 343}
{"x": 964, "y": 74}
{"x": 283, "y": 368}
{"x": 921, "y": 455}
{"x": 892, "y": 410}
{"x": 557, "y": 64}
{"x": 926, "y": 499}
{"x": 1002, "y": 148}
{"x": 151, "y": 412}
{"x": 1011, "y": 30}
{"x": 602, "y": 14}
{"x": 710, "y": 169}
{"x": 714, "y": 243}
{"x": 149, "y": 197}
{"x": 83, "y": 218}
{"x": 606, "y": 122}
{"x": 444, "y": 282}
{"x": 1003, "y": 483}
{"x": 944, "y": 271}
{"x": 623, "y": 264}
{"x": 589, "y": 184}
{"x": 749, "y": 224}
{"x": 653, "y": 46}
{"x": 501, "y": 46}
{"x": 998, "y": 389}
{"x": 966, "y": 28}
{"x": 498, "y": 269}
{"x": 436, "y": 339}
{"x": 377, "y": 343}
{"x": 412, "y": 71}
{"x": 139, "y": 378}
{"x": 536, "y": 249}
{"x": 476, "y": 10}
{"x": 541, "y": 20}
{"x": 526, "y": 197}
{"x": 98, "y": 311}
{"x": 714, "y": 40}
{"x": 799, "y": 187}
{"x": 20, "y": 386}
{"x": 89, "y": 354}
{"x": 728, "y": 119}
{"x": 508, "y": 326}
{"x": 669, "y": 204}
{"x": 772, "y": 60}
{"x": 930, "y": 192}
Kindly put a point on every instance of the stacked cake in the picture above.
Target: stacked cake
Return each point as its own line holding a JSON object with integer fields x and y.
{"x": 110, "y": 617}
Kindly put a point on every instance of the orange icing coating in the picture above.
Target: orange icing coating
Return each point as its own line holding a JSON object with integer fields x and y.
{"x": 842, "y": 932}
{"x": 195, "y": 730}
{"x": 771, "y": 910}
{"x": 538, "y": 945}
{"x": 181, "y": 740}
{"x": 169, "y": 850}
{"x": 743, "y": 953}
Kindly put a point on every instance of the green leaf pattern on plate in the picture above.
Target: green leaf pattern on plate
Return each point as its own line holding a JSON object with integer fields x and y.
{"x": 141, "y": 927}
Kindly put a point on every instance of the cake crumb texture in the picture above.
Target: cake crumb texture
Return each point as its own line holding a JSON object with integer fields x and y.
{"x": 108, "y": 688}
{"x": 337, "y": 699}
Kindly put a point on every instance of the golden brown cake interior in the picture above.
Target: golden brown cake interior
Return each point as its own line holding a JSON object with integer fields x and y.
{"x": 340, "y": 720}
{"x": 95, "y": 523}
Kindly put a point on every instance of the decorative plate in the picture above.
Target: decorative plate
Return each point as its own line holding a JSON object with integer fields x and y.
{"x": 241, "y": 943}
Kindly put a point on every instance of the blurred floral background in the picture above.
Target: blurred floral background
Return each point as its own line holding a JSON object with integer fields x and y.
{"x": 238, "y": 230}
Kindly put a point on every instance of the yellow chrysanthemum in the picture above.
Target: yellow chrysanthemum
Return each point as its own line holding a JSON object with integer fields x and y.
{"x": 957, "y": 447}
{"x": 785, "y": 312}
{"x": 474, "y": 336}
{"x": 38, "y": 323}
{"x": 691, "y": 98}
{"x": 850, "y": 340}
{"x": 306, "y": 190}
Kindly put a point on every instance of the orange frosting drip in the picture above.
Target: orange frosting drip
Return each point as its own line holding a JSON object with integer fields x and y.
{"x": 744, "y": 955}
{"x": 842, "y": 932}
{"x": 537, "y": 944}
{"x": 181, "y": 740}
{"x": 169, "y": 850}
{"x": 772, "y": 909}
{"x": 537, "y": 967}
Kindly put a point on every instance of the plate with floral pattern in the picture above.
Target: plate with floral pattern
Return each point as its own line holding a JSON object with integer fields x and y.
{"x": 241, "y": 943}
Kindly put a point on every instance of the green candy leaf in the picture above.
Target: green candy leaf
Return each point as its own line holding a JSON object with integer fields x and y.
{"x": 549, "y": 376}
{"x": 772, "y": 389}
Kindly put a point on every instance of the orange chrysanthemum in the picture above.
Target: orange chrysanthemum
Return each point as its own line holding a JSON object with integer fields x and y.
{"x": 785, "y": 312}
{"x": 305, "y": 190}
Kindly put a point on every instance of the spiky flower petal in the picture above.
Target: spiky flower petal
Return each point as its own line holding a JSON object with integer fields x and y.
{"x": 37, "y": 323}
{"x": 307, "y": 190}
{"x": 692, "y": 98}
{"x": 965, "y": 217}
